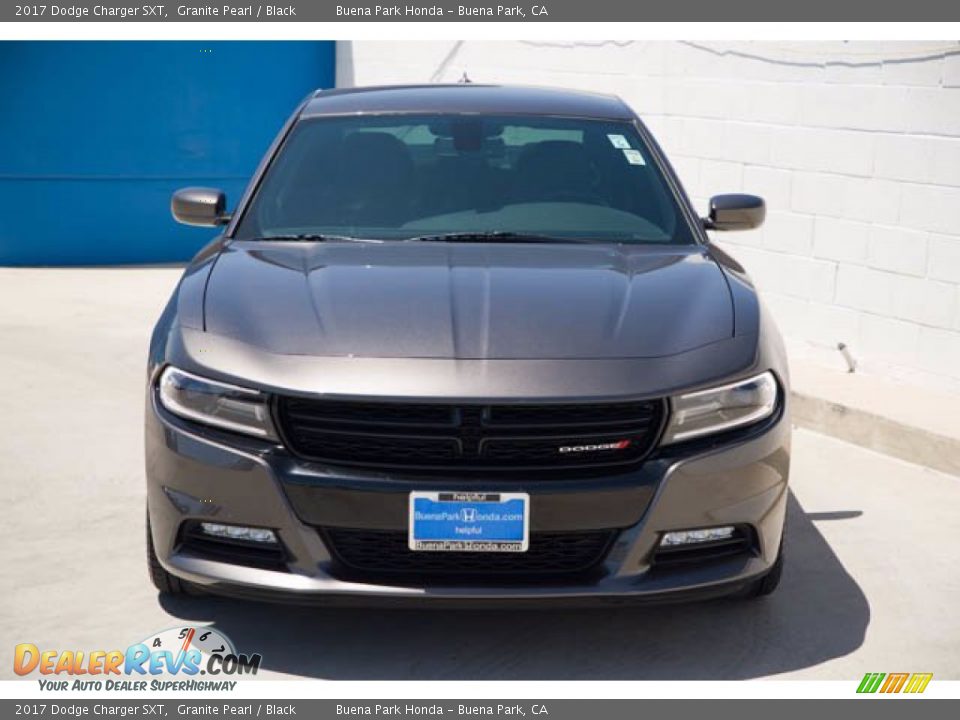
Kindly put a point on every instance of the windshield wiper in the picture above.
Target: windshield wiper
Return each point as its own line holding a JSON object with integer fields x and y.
{"x": 495, "y": 236}
{"x": 320, "y": 237}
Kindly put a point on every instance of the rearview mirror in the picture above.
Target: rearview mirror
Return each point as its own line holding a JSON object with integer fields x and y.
{"x": 735, "y": 212}
{"x": 200, "y": 206}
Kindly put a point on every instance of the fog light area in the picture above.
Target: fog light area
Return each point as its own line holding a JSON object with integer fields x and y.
{"x": 238, "y": 532}
{"x": 692, "y": 537}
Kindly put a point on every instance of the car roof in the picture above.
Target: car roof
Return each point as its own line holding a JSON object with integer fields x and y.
{"x": 466, "y": 98}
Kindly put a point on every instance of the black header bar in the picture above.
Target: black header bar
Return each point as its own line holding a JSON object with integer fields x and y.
{"x": 576, "y": 11}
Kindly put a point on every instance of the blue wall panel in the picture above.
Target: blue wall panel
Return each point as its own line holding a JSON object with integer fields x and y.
{"x": 95, "y": 136}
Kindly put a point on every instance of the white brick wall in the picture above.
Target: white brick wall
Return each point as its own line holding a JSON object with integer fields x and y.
{"x": 855, "y": 146}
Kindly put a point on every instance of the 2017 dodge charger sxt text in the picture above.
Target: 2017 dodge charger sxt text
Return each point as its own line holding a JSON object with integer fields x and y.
{"x": 467, "y": 343}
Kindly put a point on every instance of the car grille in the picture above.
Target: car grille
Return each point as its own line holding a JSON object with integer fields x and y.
{"x": 473, "y": 437}
{"x": 385, "y": 552}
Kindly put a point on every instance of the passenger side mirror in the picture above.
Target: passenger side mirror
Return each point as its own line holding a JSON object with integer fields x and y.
{"x": 735, "y": 212}
{"x": 200, "y": 206}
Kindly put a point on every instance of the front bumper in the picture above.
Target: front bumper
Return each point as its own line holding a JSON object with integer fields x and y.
{"x": 194, "y": 473}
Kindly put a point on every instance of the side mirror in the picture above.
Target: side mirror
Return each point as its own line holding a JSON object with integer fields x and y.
{"x": 735, "y": 212}
{"x": 200, "y": 206}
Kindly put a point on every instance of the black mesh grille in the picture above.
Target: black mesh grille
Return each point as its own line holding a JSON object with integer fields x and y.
{"x": 383, "y": 552}
{"x": 370, "y": 413}
{"x": 349, "y": 447}
{"x": 476, "y": 437}
{"x": 565, "y": 415}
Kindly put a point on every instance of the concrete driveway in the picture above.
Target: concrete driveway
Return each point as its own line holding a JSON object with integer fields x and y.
{"x": 871, "y": 584}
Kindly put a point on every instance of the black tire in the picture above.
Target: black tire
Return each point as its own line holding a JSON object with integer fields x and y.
{"x": 769, "y": 582}
{"x": 161, "y": 579}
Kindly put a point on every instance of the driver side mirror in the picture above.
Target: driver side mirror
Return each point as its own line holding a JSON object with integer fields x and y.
{"x": 200, "y": 206}
{"x": 735, "y": 212}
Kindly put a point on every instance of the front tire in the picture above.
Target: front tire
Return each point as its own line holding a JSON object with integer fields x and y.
{"x": 161, "y": 579}
{"x": 769, "y": 582}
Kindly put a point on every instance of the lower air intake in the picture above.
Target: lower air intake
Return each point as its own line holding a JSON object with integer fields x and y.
{"x": 385, "y": 553}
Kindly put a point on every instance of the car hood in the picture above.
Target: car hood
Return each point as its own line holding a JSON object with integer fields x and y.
{"x": 460, "y": 301}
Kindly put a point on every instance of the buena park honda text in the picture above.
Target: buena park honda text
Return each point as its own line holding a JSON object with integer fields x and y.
{"x": 466, "y": 343}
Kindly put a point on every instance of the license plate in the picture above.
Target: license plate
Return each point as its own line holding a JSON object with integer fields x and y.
{"x": 469, "y": 522}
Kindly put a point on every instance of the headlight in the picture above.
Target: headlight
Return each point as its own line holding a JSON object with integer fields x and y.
{"x": 215, "y": 403}
{"x": 721, "y": 408}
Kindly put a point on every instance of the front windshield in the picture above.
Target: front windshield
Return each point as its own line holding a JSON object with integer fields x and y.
{"x": 415, "y": 176}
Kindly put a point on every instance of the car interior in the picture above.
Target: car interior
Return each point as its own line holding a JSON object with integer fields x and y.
{"x": 395, "y": 176}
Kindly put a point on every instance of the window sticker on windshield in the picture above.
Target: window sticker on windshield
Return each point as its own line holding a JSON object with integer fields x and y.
{"x": 634, "y": 157}
{"x": 619, "y": 142}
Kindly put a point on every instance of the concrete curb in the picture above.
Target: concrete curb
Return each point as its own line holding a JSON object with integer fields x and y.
{"x": 876, "y": 432}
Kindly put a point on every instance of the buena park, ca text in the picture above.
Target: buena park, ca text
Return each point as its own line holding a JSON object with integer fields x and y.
{"x": 503, "y": 11}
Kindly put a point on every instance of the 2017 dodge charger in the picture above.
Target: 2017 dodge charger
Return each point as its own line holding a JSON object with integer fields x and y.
{"x": 466, "y": 343}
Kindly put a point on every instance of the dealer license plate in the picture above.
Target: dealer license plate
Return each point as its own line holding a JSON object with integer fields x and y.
{"x": 469, "y": 522}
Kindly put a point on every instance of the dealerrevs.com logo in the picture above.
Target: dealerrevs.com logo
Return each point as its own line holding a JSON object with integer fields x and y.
{"x": 174, "y": 659}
